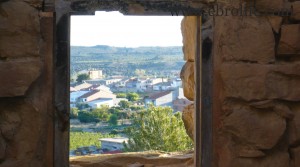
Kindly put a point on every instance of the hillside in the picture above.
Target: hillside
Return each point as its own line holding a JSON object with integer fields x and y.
{"x": 124, "y": 61}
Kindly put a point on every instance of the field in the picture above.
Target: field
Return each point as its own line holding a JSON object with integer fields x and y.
{"x": 79, "y": 139}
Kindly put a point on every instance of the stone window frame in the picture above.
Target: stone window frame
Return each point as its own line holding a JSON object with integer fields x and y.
{"x": 203, "y": 129}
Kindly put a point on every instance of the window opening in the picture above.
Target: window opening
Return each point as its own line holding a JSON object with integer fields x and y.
{"x": 129, "y": 66}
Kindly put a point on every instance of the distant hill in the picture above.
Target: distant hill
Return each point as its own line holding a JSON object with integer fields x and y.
{"x": 124, "y": 61}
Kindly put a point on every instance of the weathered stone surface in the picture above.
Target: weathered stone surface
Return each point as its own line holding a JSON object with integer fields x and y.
{"x": 10, "y": 124}
{"x": 290, "y": 39}
{"x": 17, "y": 76}
{"x": 188, "y": 81}
{"x": 246, "y": 39}
{"x": 2, "y": 148}
{"x": 260, "y": 82}
{"x": 278, "y": 159}
{"x": 296, "y": 11}
{"x": 275, "y": 22}
{"x": 188, "y": 120}
{"x": 189, "y": 32}
{"x": 35, "y": 3}
{"x": 284, "y": 111}
{"x": 147, "y": 159}
{"x": 21, "y": 150}
{"x": 295, "y": 156}
{"x": 250, "y": 153}
{"x": 260, "y": 130}
{"x": 269, "y": 5}
{"x": 19, "y": 31}
{"x": 294, "y": 126}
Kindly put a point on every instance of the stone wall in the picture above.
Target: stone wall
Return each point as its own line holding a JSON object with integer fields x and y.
{"x": 255, "y": 81}
{"x": 256, "y": 97}
{"x": 26, "y": 117}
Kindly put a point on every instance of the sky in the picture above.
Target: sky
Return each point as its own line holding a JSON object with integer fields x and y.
{"x": 115, "y": 29}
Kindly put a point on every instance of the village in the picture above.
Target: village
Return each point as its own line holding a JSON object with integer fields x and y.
{"x": 124, "y": 96}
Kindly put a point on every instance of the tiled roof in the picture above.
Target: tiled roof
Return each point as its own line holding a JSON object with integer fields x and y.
{"x": 159, "y": 94}
{"x": 89, "y": 93}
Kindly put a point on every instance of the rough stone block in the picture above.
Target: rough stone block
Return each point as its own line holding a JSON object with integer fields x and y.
{"x": 35, "y": 3}
{"x": 260, "y": 82}
{"x": 294, "y": 126}
{"x": 25, "y": 143}
{"x": 188, "y": 80}
{"x": 246, "y": 39}
{"x": 277, "y": 159}
{"x": 269, "y": 5}
{"x": 275, "y": 22}
{"x": 2, "y": 148}
{"x": 19, "y": 30}
{"x": 17, "y": 76}
{"x": 296, "y": 11}
{"x": 189, "y": 32}
{"x": 295, "y": 156}
{"x": 289, "y": 43}
{"x": 260, "y": 130}
{"x": 188, "y": 120}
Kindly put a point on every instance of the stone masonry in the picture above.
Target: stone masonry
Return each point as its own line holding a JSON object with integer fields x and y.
{"x": 256, "y": 78}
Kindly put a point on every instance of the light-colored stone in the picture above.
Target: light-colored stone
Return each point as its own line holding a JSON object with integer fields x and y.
{"x": 289, "y": 43}
{"x": 146, "y": 158}
{"x": 19, "y": 31}
{"x": 188, "y": 81}
{"x": 189, "y": 32}
{"x": 17, "y": 76}
{"x": 275, "y": 22}
{"x": 260, "y": 130}
{"x": 188, "y": 120}
{"x": 246, "y": 39}
{"x": 260, "y": 82}
{"x": 296, "y": 11}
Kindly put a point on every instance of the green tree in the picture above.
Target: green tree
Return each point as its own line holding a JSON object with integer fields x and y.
{"x": 131, "y": 96}
{"x": 124, "y": 104}
{"x": 113, "y": 119}
{"x": 86, "y": 117}
{"x": 157, "y": 128}
{"x": 74, "y": 113}
{"x": 121, "y": 95}
{"x": 82, "y": 77}
{"x": 82, "y": 106}
{"x": 101, "y": 113}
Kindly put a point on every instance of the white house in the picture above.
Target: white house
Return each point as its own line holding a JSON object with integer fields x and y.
{"x": 101, "y": 102}
{"x": 176, "y": 83}
{"x": 75, "y": 95}
{"x": 160, "y": 99}
{"x": 95, "y": 74}
{"x": 96, "y": 94}
{"x": 162, "y": 86}
{"x": 82, "y": 86}
{"x": 113, "y": 143}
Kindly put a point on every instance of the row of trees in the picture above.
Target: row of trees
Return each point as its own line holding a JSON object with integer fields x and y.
{"x": 131, "y": 96}
{"x": 104, "y": 113}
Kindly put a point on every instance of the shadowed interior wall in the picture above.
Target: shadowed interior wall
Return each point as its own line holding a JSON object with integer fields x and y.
{"x": 255, "y": 80}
